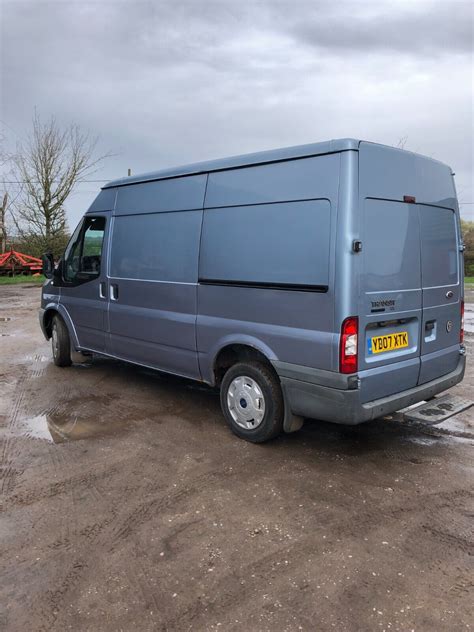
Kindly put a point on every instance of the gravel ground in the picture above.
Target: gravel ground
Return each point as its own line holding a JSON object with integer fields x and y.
{"x": 126, "y": 504}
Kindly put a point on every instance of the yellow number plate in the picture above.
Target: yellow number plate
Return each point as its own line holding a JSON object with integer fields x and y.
{"x": 389, "y": 342}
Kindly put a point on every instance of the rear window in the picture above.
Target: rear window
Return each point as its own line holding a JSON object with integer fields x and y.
{"x": 438, "y": 246}
{"x": 391, "y": 246}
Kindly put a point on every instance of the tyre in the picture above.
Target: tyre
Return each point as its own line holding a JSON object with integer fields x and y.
{"x": 60, "y": 342}
{"x": 252, "y": 401}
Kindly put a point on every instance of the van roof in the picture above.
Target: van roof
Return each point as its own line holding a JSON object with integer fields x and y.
{"x": 261, "y": 157}
{"x": 273, "y": 155}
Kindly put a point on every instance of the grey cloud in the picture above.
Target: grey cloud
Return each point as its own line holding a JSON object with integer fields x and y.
{"x": 417, "y": 28}
{"x": 171, "y": 82}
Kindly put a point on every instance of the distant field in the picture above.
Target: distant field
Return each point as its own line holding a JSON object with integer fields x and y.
{"x": 5, "y": 280}
{"x": 469, "y": 279}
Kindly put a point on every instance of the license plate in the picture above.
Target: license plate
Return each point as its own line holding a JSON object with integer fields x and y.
{"x": 389, "y": 342}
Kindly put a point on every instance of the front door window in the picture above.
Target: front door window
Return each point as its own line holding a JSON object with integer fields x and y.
{"x": 82, "y": 259}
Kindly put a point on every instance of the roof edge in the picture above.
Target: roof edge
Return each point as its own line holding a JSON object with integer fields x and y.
{"x": 242, "y": 160}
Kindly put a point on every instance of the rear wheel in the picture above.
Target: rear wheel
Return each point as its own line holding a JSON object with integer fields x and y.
{"x": 252, "y": 401}
{"x": 60, "y": 342}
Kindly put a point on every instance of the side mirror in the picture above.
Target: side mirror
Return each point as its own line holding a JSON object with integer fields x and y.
{"x": 48, "y": 265}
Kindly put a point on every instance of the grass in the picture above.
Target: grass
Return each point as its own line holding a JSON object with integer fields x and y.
{"x": 469, "y": 279}
{"x": 20, "y": 278}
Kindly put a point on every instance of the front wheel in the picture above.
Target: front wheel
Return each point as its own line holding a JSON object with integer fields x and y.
{"x": 252, "y": 401}
{"x": 60, "y": 342}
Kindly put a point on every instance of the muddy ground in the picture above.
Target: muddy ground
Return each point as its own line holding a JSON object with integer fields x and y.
{"x": 128, "y": 505}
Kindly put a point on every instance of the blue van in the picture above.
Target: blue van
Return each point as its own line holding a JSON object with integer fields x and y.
{"x": 320, "y": 281}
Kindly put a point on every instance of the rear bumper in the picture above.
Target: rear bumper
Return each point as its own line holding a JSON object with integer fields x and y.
{"x": 342, "y": 404}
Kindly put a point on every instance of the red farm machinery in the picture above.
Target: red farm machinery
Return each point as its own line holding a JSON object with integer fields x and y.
{"x": 14, "y": 262}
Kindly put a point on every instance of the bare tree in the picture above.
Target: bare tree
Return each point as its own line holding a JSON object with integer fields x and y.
{"x": 3, "y": 226}
{"x": 48, "y": 166}
{"x": 3, "y": 207}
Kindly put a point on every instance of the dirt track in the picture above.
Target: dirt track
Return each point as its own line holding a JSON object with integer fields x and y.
{"x": 128, "y": 505}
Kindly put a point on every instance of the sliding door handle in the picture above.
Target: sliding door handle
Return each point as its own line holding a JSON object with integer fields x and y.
{"x": 113, "y": 292}
{"x": 103, "y": 289}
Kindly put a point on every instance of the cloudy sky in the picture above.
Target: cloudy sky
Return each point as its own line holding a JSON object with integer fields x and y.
{"x": 172, "y": 82}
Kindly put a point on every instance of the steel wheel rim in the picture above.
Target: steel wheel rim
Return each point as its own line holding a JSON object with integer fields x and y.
{"x": 245, "y": 402}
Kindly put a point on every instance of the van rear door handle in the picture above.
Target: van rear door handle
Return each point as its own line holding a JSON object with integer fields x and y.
{"x": 102, "y": 289}
{"x": 113, "y": 292}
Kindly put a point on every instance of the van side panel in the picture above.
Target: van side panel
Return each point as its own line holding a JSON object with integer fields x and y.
{"x": 105, "y": 201}
{"x": 161, "y": 196}
{"x": 301, "y": 179}
{"x": 153, "y": 324}
{"x": 275, "y": 290}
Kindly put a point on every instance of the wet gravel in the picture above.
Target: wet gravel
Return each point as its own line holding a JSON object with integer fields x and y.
{"x": 126, "y": 504}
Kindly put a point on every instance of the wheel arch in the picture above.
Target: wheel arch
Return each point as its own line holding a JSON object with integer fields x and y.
{"x": 239, "y": 351}
{"x": 251, "y": 349}
{"x": 48, "y": 315}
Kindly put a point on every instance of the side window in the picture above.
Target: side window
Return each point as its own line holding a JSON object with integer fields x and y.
{"x": 269, "y": 244}
{"x": 156, "y": 247}
{"x": 391, "y": 251}
{"x": 439, "y": 248}
{"x": 83, "y": 254}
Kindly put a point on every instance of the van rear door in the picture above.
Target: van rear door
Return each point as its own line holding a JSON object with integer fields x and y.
{"x": 390, "y": 311}
{"x": 441, "y": 323}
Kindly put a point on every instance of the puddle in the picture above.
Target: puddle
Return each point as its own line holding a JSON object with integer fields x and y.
{"x": 61, "y": 428}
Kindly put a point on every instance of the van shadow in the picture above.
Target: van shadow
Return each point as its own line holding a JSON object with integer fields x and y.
{"x": 198, "y": 404}
{"x": 381, "y": 437}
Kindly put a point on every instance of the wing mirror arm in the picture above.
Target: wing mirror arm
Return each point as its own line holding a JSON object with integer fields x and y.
{"x": 48, "y": 265}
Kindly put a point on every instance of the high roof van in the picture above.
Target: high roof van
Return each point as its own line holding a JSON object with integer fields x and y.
{"x": 323, "y": 281}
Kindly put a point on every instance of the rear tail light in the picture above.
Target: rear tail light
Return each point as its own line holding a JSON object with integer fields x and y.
{"x": 461, "y": 332}
{"x": 348, "y": 345}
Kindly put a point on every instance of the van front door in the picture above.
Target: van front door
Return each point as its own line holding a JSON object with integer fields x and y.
{"x": 83, "y": 286}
